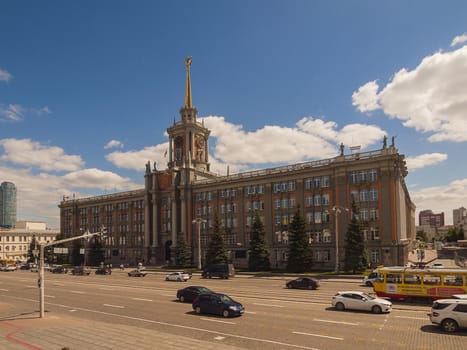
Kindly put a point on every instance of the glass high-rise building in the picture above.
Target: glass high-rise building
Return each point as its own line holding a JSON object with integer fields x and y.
{"x": 7, "y": 204}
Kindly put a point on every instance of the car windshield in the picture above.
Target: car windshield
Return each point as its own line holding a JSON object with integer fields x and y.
{"x": 204, "y": 290}
{"x": 369, "y": 297}
{"x": 226, "y": 299}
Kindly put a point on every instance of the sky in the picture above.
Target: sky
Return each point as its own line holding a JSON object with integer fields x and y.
{"x": 88, "y": 89}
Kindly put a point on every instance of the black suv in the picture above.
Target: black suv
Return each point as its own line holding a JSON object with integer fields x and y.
{"x": 81, "y": 271}
{"x": 219, "y": 270}
{"x": 59, "y": 269}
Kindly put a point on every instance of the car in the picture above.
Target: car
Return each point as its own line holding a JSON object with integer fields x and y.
{"x": 104, "y": 271}
{"x": 449, "y": 314}
{"x": 81, "y": 271}
{"x": 59, "y": 269}
{"x": 224, "y": 271}
{"x": 137, "y": 273}
{"x": 458, "y": 296}
{"x": 9, "y": 268}
{"x": 360, "y": 301}
{"x": 189, "y": 294}
{"x": 303, "y": 283}
{"x": 368, "y": 280}
{"x": 218, "y": 304}
{"x": 178, "y": 276}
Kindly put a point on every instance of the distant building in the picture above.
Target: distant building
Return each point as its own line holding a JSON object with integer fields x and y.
{"x": 459, "y": 217}
{"x": 427, "y": 217}
{"x": 15, "y": 242}
{"x": 7, "y": 205}
{"x": 144, "y": 225}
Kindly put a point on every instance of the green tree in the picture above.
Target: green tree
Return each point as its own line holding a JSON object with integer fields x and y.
{"x": 94, "y": 252}
{"x": 299, "y": 257}
{"x": 216, "y": 253}
{"x": 76, "y": 258}
{"x": 34, "y": 245}
{"x": 422, "y": 236}
{"x": 182, "y": 253}
{"x": 258, "y": 254}
{"x": 355, "y": 258}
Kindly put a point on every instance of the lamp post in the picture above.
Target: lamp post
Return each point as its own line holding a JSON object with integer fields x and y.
{"x": 337, "y": 210}
{"x": 199, "y": 221}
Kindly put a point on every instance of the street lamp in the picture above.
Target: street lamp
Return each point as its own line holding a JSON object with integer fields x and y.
{"x": 199, "y": 221}
{"x": 337, "y": 210}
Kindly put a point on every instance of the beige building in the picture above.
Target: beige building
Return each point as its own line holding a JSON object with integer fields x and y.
{"x": 15, "y": 243}
{"x": 144, "y": 225}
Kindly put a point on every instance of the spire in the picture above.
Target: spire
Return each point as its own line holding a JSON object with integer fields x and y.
{"x": 188, "y": 102}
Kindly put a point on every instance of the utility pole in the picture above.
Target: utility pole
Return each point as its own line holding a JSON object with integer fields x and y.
{"x": 41, "y": 281}
{"x": 198, "y": 221}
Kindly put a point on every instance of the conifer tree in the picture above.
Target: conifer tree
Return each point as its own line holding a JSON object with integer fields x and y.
{"x": 355, "y": 259}
{"x": 216, "y": 253}
{"x": 182, "y": 253}
{"x": 258, "y": 254}
{"x": 299, "y": 254}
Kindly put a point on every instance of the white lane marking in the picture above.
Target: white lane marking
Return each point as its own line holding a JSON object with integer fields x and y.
{"x": 219, "y": 338}
{"x": 141, "y": 299}
{"x": 31, "y": 286}
{"x": 58, "y": 284}
{"x": 250, "y": 312}
{"x": 214, "y": 320}
{"x": 106, "y": 288}
{"x": 4, "y": 290}
{"x": 319, "y": 335}
{"x": 413, "y": 318}
{"x": 272, "y": 305}
{"x": 339, "y": 322}
{"x": 77, "y": 292}
{"x": 116, "y": 306}
{"x": 50, "y": 296}
{"x": 238, "y": 336}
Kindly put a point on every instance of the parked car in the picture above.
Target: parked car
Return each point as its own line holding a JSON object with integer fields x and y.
{"x": 449, "y": 314}
{"x": 104, "y": 271}
{"x": 59, "y": 269}
{"x": 81, "y": 271}
{"x": 8, "y": 268}
{"x": 189, "y": 294}
{"x": 218, "y": 304}
{"x": 360, "y": 301}
{"x": 178, "y": 276}
{"x": 137, "y": 273}
{"x": 219, "y": 270}
{"x": 303, "y": 283}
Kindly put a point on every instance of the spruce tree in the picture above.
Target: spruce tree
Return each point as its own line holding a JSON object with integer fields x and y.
{"x": 182, "y": 253}
{"x": 299, "y": 254}
{"x": 216, "y": 253}
{"x": 355, "y": 259}
{"x": 258, "y": 254}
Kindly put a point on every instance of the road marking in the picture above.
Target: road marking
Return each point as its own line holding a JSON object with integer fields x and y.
{"x": 141, "y": 299}
{"x": 58, "y": 284}
{"x": 319, "y": 335}
{"x": 339, "y": 322}
{"x": 4, "y": 290}
{"x": 219, "y": 338}
{"x": 412, "y": 318}
{"x": 250, "y": 312}
{"x": 106, "y": 288}
{"x": 214, "y": 320}
{"x": 77, "y": 292}
{"x": 49, "y": 296}
{"x": 117, "y": 306}
{"x": 272, "y": 305}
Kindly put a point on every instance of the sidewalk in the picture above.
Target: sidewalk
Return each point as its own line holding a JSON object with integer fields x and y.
{"x": 61, "y": 331}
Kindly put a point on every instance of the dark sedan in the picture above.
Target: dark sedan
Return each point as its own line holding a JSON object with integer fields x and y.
{"x": 188, "y": 294}
{"x": 104, "y": 271}
{"x": 218, "y": 304}
{"x": 303, "y": 283}
{"x": 59, "y": 269}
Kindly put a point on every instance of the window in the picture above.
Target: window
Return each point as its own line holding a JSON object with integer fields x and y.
{"x": 309, "y": 201}
{"x": 308, "y": 184}
{"x": 326, "y": 236}
{"x": 373, "y": 214}
{"x": 317, "y": 217}
{"x": 354, "y": 196}
{"x": 373, "y": 175}
{"x": 363, "y": 196}
{"x": 364, "y": 214}
{"x": 292, "y": 203}
{"x": 374, "y": 256}
{"x": 316, "y": 182}
{"x": 277, "y": 203}
{"x": 326, "y": 181}
{"x": 373, "y": 194}
{"x": 309, "y": 218}
{"x": 325, "y": 199}
{"x": 317, "y": 200}
{"x": 284, "y": 203}
{"x": 374, "y": 233}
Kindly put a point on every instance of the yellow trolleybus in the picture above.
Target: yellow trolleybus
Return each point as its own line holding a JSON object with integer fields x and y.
{"x": 402, "y": 283}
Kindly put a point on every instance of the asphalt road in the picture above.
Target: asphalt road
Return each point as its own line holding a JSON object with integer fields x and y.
{"x": 275, "y": 317}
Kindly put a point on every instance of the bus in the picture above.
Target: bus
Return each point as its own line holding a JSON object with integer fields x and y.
{"x": 412, "y": 284}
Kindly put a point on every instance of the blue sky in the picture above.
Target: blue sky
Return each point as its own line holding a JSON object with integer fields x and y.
{"x": 88, "y": 88}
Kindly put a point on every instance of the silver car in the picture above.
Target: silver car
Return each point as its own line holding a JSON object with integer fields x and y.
{"x": 178, "y": 276}
{"x": 360, "y": 301}
{"x": 450, "y": 314}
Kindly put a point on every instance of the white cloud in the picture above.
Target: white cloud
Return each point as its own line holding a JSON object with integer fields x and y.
{"x": 432, "y": 98}
{"x": 30, "y": 153}
{"x": 113, "y": 144}
{"x": 459, "y": 39}
{"x": 366, "y": 97}
{"x": 13, "y": 113}
{"x": 97, "y": 179}
{"x": 136, "y": 160}
{"x": 425, "y": 160}
{"x": 4, "y": 75}
{"x": 439, "y": 198}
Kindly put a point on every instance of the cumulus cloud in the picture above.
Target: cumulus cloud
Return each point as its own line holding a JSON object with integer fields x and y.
{"x": 460, "y": 39}
{"x": 438, "y": 198}
{"x": 136, "y": 160}
{"x": 425, "y": 160}
{"x": 431, "y": 98}
{"x": 29, "y": 153}
{"x": 97, "y": 179}
{"x": 113, "y": 144}
{"x": 4, "y": 75}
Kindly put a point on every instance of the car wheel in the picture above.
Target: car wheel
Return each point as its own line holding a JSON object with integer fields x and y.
{"x": 449, "y": 325}
{"x": 198, "y": 310}
{"x": 129, "y": 274}
{"x": 310, "y": 287}
{"x": 225, "y": 313}
{"x": 289, "y": 286}
{"x": 182, "y": 298}
{"x": 166, "y": 278}
{"x": 340, "y": 307}
{"x": 376, "y": 309}
{"x": 369, "y": 284}
{"x": 179, "y": 280}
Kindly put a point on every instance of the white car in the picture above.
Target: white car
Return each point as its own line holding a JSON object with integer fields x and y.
{"x": 177, "y": 276}
{"x": 450, "y": 314}
{"x": 360, "y": 301}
